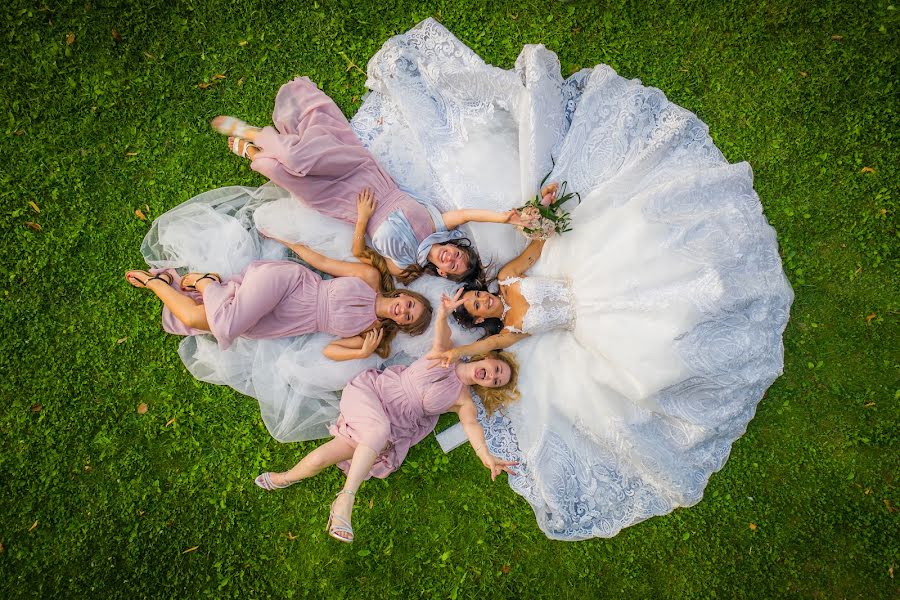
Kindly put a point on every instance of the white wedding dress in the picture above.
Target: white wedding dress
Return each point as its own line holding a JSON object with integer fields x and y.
{"x": 656, "y": 321}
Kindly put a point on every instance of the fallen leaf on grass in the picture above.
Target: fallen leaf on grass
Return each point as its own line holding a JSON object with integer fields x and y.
{"x": 19, "y": 132}
{"x": 140, "y": 214}
{"x": 753, "y": 527}
{"x": 70, "y": 38}
{"x": 242, "y": 43}
{"x": 150, "y": 56}
{"x": 32, "y": 225}
{"x": 240, "y": 81}
{"x": 121, "y": 340}
{"x": 505, "y": 569}
{"x": 890, "y": 569}
{"x": 170, "y": 421}
{"x": 146, "y": 208}
{"x": 3, "y": 549}
{"x": 804, "y": 74}
{"x": 37, "y": 407}
{"x": 131, "y": 154}
{"x": 116, "y": 35}
{"x": 218, "y": 76}
{"x": 191, "y": 549}
{"x": 870, "y": 317}
{"x": 291, "y": 536}
{"x": 142, "y": 408}
{"x": 33, "y": 527}
{"x": 371, "y": 503}
{"x": 867, "y": 170}
{"x": 868, "y": 405}
{"x": 34, "y": 206}
{"x": 203, "y": 85}
{"x": 88, "y": 468}
{"x": 890, "y": 508}
{"x": 837, "y": 38}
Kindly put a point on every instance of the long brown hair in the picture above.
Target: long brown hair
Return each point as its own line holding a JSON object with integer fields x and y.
{"x": 499, "y": 397}
{"x": 388, "y": 290}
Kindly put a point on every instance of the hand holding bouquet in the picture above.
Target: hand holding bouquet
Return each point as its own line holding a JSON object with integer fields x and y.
{"x": 543, "y": 215}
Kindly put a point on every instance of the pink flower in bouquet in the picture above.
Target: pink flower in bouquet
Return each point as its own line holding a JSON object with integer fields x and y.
{"x": 547, "y": 200}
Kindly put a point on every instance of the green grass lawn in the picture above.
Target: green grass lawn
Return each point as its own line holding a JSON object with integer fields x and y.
{"x": 106, "y": 106}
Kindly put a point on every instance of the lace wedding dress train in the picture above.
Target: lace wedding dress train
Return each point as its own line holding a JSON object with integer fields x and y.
{"x": 661, "y": 313}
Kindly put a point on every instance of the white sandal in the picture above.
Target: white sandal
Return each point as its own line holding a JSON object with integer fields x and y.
{"x": 231, "y": 126}
{"x": 234, "y": 144}
{"x": 333, "y": 528}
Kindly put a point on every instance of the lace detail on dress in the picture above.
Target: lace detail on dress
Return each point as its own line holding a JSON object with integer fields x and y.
{"x": 550, "y": 304}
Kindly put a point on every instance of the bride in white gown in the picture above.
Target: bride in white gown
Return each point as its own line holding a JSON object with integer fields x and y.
{"x": 675, "y": 299}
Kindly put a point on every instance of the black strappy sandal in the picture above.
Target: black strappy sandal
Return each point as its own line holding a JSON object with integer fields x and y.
{"x": 211, "y": 276}
{"x": 164, "y": 277}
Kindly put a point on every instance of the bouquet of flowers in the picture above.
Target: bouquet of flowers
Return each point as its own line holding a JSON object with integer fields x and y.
{"x": 543, "y": 215}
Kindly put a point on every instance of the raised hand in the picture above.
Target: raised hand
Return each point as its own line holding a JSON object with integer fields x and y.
{"x": 448, "y": 304}
{"x": 371, "y": 339}
{"x": 444, "y": 358}
{"x": 550, "y": 190}
{"x": 365, "y": 204}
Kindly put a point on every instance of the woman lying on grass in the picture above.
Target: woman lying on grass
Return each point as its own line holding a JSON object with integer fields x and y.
{"x": 384, "y": 413}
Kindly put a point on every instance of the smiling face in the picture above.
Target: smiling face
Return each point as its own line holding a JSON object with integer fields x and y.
{"x": 449, "y": 259}
{"x": 491, "y": 372}
{"x": 405, "y": 309}
{"x": 482, "y": 305}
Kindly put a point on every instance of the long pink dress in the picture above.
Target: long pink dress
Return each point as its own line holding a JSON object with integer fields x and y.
{"x": 313, "y": 153}
{"x": 394, "y": 409}
{"x": 274, "y": 299}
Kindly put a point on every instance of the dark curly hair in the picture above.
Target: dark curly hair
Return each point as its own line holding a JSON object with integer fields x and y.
{"x": 466, "y": 320}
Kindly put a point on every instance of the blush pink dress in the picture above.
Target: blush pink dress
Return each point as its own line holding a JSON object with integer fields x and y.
{"x": 275, "y": 299}
{"x": 392, "y": 410}
{"x": 313, "y": 153}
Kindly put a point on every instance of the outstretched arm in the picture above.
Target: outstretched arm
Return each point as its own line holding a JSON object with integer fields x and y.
{"x": 335, "y": 268}
{"x": 442, "y": 333}
{"x": 519, "y": 265}
{"x": 455, "y": 218}
{"x": 498, "y": 341}
{"x": 468, "y": 418}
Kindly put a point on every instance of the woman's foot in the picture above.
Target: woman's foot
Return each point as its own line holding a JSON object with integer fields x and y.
{"x": 339, "y": 526}
{"x": 234, "y": 127}
{"x": 140, "y": 279}
{"x": 190, "y": 281}
{"x": 242, "y": 148}
{"x": 273, "y": 481}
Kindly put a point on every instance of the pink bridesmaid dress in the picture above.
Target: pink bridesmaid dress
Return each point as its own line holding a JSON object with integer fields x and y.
{"x": 313, "y": 153}
{"x": 274, "y": 299}
{"x": 392, "y": 410}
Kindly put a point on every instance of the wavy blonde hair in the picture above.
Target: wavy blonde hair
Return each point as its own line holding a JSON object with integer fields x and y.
{"x": 499, "y": 397}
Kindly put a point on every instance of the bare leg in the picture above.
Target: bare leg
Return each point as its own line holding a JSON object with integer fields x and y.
{"x": 182, "y": 306}
{"x": 360, "y": 465}
{"x": 330, "y": 453}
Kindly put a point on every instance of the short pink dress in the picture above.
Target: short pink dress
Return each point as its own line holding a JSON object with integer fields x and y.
{"x": 275, "y": 299}
{"x": 392, "y": 410}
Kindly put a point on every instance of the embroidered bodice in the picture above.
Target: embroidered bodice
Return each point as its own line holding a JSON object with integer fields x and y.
{"x": 550, "y": 304}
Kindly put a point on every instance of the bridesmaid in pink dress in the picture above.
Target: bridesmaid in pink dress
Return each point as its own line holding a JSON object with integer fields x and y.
{"x": 274, "y": 299}
{"x": 313, "y": 153}
{"x": 384, "y": 413}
